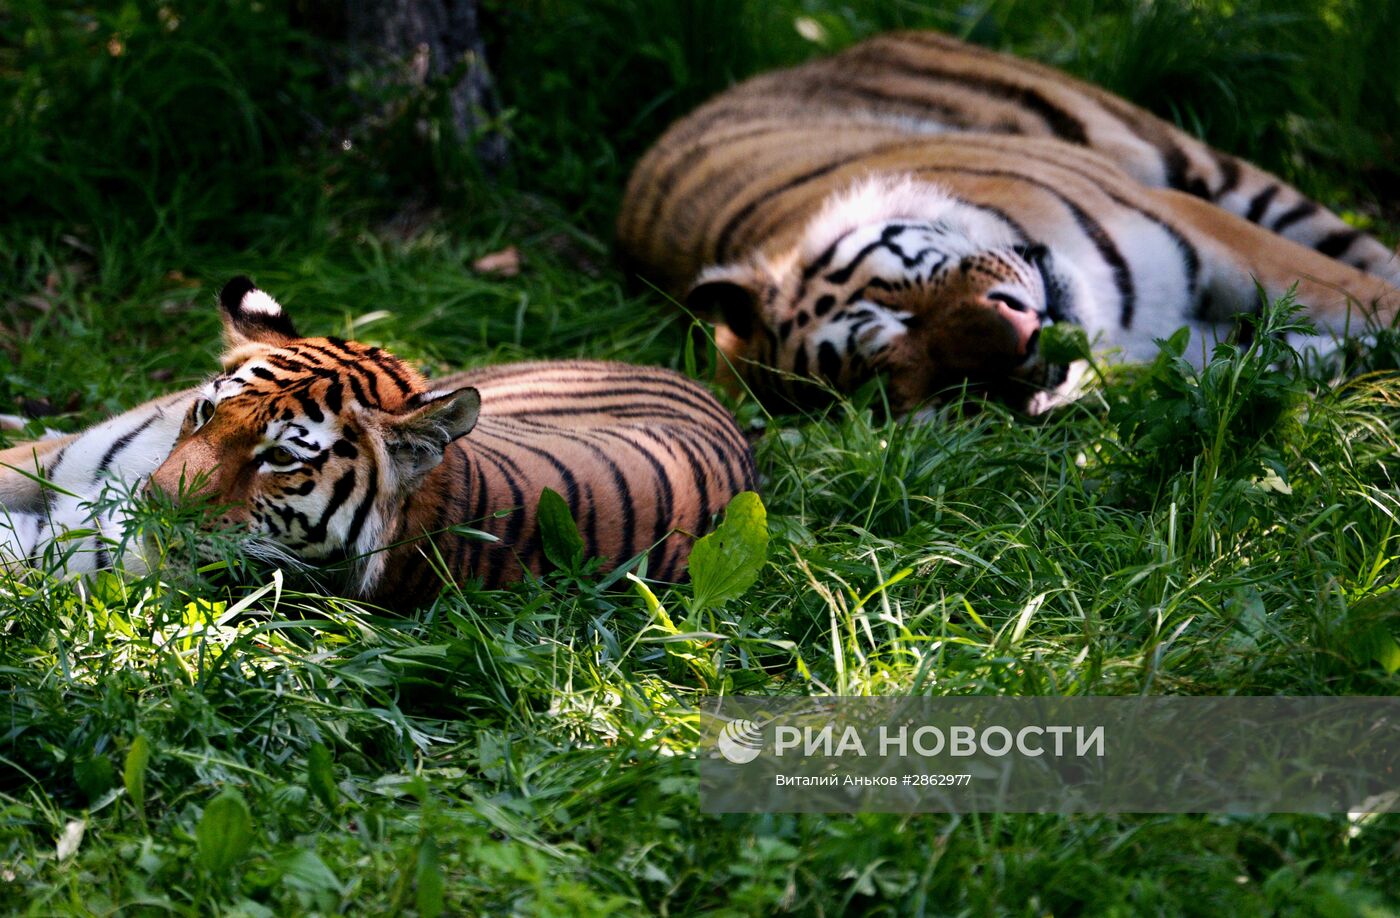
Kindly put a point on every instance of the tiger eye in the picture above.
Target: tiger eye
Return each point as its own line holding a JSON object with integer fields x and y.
{"x": 202, "y": 411}
{"x": 280, "y": 455}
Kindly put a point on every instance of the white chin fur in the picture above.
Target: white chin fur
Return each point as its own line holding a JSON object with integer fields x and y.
{"x": 258, "y": 302}
{"x": 1065, "y": 393}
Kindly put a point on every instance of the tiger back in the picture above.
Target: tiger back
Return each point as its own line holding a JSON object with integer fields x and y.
{"x": 644, "y": 457}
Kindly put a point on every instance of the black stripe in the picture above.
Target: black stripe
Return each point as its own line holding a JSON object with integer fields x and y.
{"x": 1259, "y": 204}
{"x": 566, "y": 476}
{"x": 388, "y": 364}
{"x": 494, "y": 553}
{"x": 1022, "y": 236}
{"x": 702, "y": 491}
{"x": 340, "y": 493}
{"x": 829, "y": 363}
{"x": 357, "y": 522}
{"x": 1334, "y": 244}
{"x": 466, "y": 551}
{"x": 684, "y": 394}
{"x": 1189, "y": 254}
{"x": 667, "y": 511}
{"x": 824, "y": 258}
{"x": 1061, "y": 123}
{"x": 1229, "y": 172}
{"x": 689, "y": 424}
{"x": 1174, "y": 161}
{"x": 664, "y": 179}
{"x": 511, "y": 473}
{"x": 119, "y": 445}
{"x": 843, "y": 274}
{"x": 359, "y": 393}
{"x": 353, "y": 369}
{"x": 799, "y": 362}
{"x": 290, "y": 365}
{"x": 623, "y": 494}
{"x": 732, "y": 225}
{"x": 1294, "y": 214}
{"x": 308, "y": 405}
{"x": 333, "y": 396}
{"x": 53, "y": 468}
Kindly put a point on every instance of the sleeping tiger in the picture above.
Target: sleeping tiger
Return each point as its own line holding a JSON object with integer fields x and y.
{"x": 919, "y": 208}
{"x": 338, "y": 457}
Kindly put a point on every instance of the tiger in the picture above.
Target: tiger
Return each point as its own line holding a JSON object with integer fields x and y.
{"x": 918, "y": 209}
{"x": 339, "y": 459}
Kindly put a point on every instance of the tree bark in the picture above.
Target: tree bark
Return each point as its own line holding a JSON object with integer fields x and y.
{"x": 421, "y": 41}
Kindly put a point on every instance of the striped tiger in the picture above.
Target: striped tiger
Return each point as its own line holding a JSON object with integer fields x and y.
{"x": 338, "y": 457}
{"x": 921, "y": 208}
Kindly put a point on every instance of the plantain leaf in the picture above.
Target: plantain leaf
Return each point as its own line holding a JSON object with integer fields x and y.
{"x": 725, "y": 563}
{"x": 134, "y": 773}
{"x": 320, "y": 777}
{"x": 225, "y": 832}
{"x": 563, "y": 546}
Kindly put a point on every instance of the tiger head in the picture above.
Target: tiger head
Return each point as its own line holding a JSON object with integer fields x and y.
{"x": 311, "y": 445}
{"x": 893, "y": 277}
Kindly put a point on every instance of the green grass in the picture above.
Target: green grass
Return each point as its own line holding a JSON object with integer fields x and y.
{"x": 528, "y": 751}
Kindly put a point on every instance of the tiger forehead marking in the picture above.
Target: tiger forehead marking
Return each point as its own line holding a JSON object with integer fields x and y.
{"x": 304, "y": 375}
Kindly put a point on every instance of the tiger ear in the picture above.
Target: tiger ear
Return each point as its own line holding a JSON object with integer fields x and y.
{"x": 731, "y": 295}
{"x": 252, "y": 317}
{"x": 416, "y": 439}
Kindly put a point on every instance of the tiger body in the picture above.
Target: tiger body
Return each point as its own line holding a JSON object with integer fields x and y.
{"x": 84, "y": 516}
{"x": 920, "y": 207}
{"x": 340, "y": 459}
{"x": 644, "y": 457}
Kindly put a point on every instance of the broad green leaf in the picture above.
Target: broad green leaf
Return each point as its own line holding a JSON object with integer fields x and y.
{"x": 134, "y": 773}
{"x": 225, "y": 832}
{"x": 320, "y": 776}
{"x": 1386, "y": 652}
{"x": 563, "y": 546}
{"x": 304, "y": 869}
{"x": 725, "y": 563}
{"x": 1372, "y": 623}
{"x": 429, "y": 880}
{"x": 1063, "y": 343}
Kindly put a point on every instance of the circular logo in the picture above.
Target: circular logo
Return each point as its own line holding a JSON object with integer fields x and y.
{"x": 740, "y": 741}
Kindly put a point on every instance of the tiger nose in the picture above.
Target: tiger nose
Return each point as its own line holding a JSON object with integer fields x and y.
{"x": 1023, "y": 321}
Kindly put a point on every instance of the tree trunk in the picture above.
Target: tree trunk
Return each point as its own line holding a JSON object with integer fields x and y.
{"x": 415, "y": 42}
